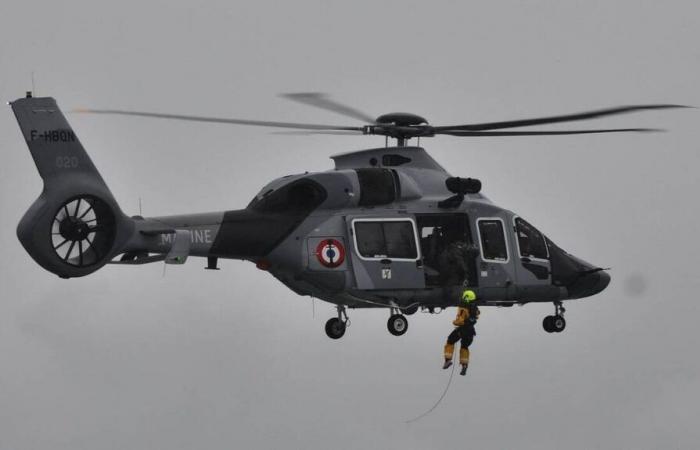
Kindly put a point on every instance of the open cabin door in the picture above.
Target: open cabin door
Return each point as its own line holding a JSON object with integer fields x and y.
{"x": 438, "y": 232}
{"x": 385, "y": 253}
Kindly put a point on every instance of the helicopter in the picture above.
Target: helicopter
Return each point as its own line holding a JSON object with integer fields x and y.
{"x": 366, "y": 234}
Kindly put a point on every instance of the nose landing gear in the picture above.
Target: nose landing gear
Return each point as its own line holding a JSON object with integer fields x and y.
{"x": 555, "y": 323}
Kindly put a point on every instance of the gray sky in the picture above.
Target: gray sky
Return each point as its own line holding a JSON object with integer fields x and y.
{"x": 127, "y": 358}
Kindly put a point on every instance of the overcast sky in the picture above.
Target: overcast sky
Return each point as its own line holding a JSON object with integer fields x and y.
{"x": 129, "y": 359}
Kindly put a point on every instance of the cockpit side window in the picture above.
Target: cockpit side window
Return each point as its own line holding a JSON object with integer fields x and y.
{"x": 298, "y": 197}
{"x": 493, "y": 240}
{"x": 530, "y": 241}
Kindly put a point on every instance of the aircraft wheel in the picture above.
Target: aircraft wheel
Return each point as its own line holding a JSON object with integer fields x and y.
{"x": 558, "y": 324}
{"x": 548, "y": 325}
{"x": 335, "y": 328}
{"x": 397, "y": 324}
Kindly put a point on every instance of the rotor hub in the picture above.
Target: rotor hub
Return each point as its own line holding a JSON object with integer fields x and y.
{"x": 401, "y": 119}
{"x": 400, "y": 126}
{"x": 73, "y": 229}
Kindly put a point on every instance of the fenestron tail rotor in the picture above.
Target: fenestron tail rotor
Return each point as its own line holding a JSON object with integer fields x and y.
{"x": 403, "y": 126}
{"x": 83, "y": 231}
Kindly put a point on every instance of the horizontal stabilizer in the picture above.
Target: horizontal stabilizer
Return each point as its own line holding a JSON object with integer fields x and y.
{"x": 139, "y": 260}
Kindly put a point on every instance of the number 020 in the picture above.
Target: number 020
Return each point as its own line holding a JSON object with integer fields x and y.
{"x": 66, "y": 162}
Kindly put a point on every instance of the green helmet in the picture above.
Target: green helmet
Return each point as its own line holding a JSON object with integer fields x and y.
{"x": 468, "y": 296}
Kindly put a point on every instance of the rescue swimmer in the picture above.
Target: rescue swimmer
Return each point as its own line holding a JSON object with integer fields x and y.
{"x": 467, "y": 315}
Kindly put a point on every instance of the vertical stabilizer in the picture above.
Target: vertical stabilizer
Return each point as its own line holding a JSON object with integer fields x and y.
{"x": 75, "y": 226}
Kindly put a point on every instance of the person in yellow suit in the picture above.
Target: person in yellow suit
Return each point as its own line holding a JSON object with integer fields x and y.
{"x": 467, "y": 315}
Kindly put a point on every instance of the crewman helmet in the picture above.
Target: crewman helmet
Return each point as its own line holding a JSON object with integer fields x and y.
{"x": 468, "y": 296}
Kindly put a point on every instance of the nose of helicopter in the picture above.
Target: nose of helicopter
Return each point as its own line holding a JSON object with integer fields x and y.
{"x": 581, "y": 278}
{"x": 590, "y": 283}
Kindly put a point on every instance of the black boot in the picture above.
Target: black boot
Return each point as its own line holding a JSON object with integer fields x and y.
{"x": 464, "y": 370}
{"x": 448, "y": 363}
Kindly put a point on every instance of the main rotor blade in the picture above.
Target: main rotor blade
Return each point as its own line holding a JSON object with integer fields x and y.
{"x": 317, "y": 132}
{"x": 320, "y": 100}
{"x": 557, "y": 119}
{"x": 257, "y": 123}
{"x": 545, "y": 133}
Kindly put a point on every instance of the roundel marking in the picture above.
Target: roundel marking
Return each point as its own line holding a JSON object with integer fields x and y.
{"x": 330, "y": 253}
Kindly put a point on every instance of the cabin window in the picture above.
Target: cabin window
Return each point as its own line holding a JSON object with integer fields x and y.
{"x": 530, "y": 241}
{"x": 377, "y": 186}
{"x": 493, "y": 240}
{"x": 379, "y": 239}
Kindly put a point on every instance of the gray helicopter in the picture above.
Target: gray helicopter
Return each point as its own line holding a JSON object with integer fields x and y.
{"x": 367, "y": 234}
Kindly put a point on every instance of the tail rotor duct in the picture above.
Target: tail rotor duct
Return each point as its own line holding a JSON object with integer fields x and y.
{"x": 83, "y": 231}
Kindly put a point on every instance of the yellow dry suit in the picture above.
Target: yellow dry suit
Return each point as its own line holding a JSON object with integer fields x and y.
{"x": 464, "y": 331}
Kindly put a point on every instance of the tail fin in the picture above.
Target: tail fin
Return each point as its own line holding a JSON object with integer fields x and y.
{"x": 76, "y": 225}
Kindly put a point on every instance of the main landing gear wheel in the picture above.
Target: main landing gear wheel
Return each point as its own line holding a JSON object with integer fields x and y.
{"x": 397, "y": 324}
{"x": 555, "y": 323}
{"x": 558, "y": 324}
{"x": 335, "y": 328}
{"x": 547, "y": 324}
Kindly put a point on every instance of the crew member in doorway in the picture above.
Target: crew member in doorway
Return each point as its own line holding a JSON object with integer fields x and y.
{"x": 452, "y": 263}
{"x": 467, "y": 315}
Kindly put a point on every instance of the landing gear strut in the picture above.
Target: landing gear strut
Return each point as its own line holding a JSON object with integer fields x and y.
{"x": 336, "y": 326}
{"x": 555, "y": 323}
{"x": 397, "y": 323}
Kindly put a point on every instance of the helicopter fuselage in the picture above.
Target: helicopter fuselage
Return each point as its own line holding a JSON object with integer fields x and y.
{"x": 371, "y": 232}
{"x": 387, "y": 227}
